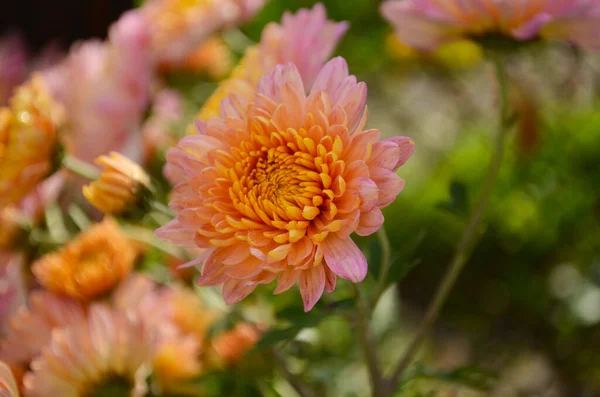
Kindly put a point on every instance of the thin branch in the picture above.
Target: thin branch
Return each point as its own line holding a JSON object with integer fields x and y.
{"x": 298, "y": 384}
{"x": 363, "y": 317}
{"x": 468, "y": 239}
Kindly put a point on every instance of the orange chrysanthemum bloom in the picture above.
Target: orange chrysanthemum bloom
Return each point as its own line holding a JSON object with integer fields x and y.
{"x": 28, "y": 140}
{"x": 89, "y": 265}
{"x": 230, "y": 346}
{"x": 275, "y": 187}
{"x": 177, "y": 360}
{"x": 213, "y": 58}
{"x": 179, "y": 26}
{"x": 119, "y": 185}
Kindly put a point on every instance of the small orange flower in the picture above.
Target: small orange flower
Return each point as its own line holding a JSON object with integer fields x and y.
{"x": 119, "y": 185}
{"x": 213, "y": 58}
{"x": 231, "y": 346}
{"x": 27, "y": 140}
{"x": 190, "y": 314}
{"x": 177, "y": 360}
{"x": 90, "y": 265}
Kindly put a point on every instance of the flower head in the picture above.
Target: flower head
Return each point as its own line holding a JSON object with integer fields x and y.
{"x": 89, "y": 265}
{"x": 8, "y": 384}
{"x": 30, "y": 328}
{"x": 306, "y": 32}
{"x": 106, "y": 349}
{"x": 12, "y": 286}
{"x": 28, "y": 140}
{"x": 181, "y": 25}
{"x": 119, "y": 186}
{"x": 177, "y": 360}
{"x": 275, "y": 188}
{"x": 104, "y": 88}
{"x": 429, "y": 23}
{"x": 230, "y": 346}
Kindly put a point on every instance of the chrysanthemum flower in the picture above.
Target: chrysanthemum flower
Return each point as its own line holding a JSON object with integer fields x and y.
{"x": 275, "y": 188}
{"x": 8, "y": 384}
{"x": 181, "y": 25}
{"x": 28, "y": 140}
{"x": 30, "y": 328}
{"x": 106, "y": 351}
{"x": 89, "y": 265}
{"x": 306, "y": 32}
{"x": 177, "y": 360}
{"x": 428, "y": 23}
{"x": 105, "y": 88}
{"x": 12, "y": 286}
{"x": 119, "y": 186}
{"x": 212, "y": 58}
{"x": 230, "y": 346}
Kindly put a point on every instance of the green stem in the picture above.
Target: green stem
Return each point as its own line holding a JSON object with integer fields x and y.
{"x": 298, "y": 384}
{"x": 80, "y": 168}
{"x": 469, "y": 236}
{"x": 363, "y": 318}
{"x": 163, "y": 209}
{"x": 386, "y": 263}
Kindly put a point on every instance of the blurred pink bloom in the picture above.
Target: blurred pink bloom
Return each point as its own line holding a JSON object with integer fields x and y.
{"x": 107, "y": 345}
{"x": 306, "y": 38}
{"x": 12, "y": 286}
{"x": 428, "y": 23}
{"x": 104, "y": 88}
{"x": 13, "y": 65}
{"x": 167, "y": 115}
{"x": 179, "y": 26}
{"x": 276, "y": 186}
{"x": 31, "y": 327}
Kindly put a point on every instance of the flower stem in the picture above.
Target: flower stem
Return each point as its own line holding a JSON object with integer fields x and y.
{"x": 469, "y": 236}
{"x": 80, "y": 168}
{"x": 298, "y": 384}
{"x": 363, "y": 318}
{"x": 386, "y": 262}
{"x": 163, "y": 209}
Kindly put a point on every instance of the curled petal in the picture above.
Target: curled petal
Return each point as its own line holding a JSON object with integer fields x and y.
{"x": 312, "y": 284}
{"x": 344, "y": 258}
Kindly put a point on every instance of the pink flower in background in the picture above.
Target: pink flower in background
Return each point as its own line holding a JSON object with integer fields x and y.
{"x": 159, "y": 130}
{"x": 428, "y": 23}
{"x": 179, "y": 26}
{"x": 306, "y": 38}
{"x": 30, "y": 328}
{"x": 81, "y": 357}
{"x": 275, "y": 187}
{"x": 12, "y": 286}
{"x": 104, "y": 88}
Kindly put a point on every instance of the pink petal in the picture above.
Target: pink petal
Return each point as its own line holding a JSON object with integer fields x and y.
{"x": 272, "y": 85}
{"x": 176, "y": 233}
{"x": 235, "y": 290}
{"x": 286, "y": 280}
{"x": 312, "y": 284}
{"x": 389, "y": 185}
{"x": 330, "y": 280}
{"x": 344, "y": 258}
{"x": 370, "y": 222}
